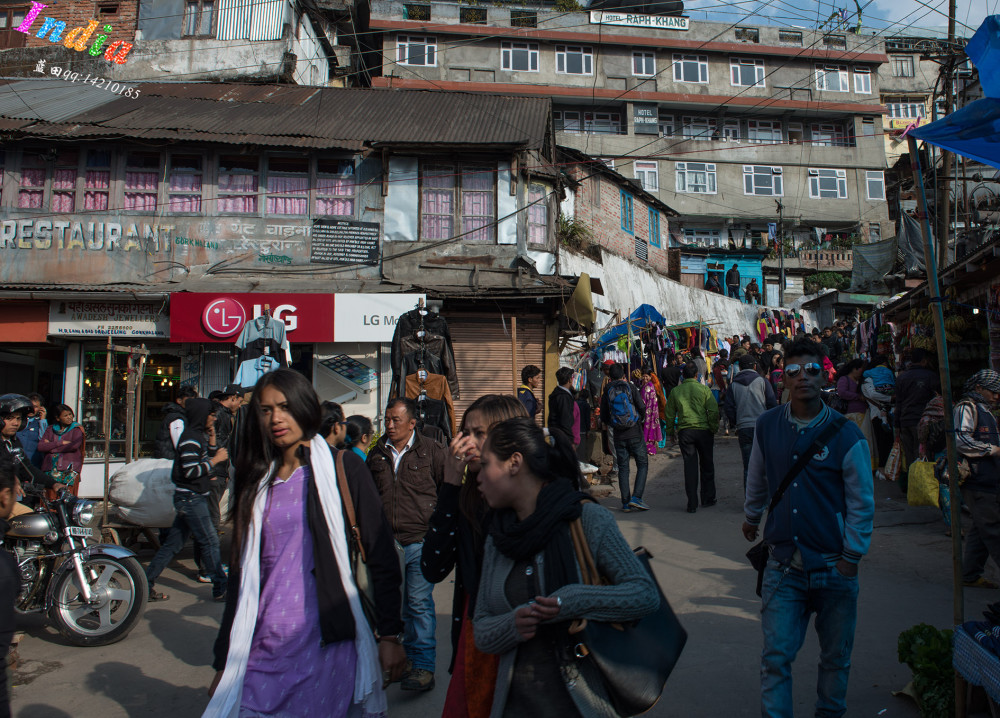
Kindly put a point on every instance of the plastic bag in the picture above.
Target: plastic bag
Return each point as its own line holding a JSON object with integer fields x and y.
{"x": 922, "y": 485}
{"x": 144, "y": 492}
{"x": 894, "y": 464}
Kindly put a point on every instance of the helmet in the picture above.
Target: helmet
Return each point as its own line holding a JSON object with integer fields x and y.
{"x": 14, "y": 403}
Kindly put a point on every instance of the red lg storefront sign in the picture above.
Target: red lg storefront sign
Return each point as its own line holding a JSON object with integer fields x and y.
{"x": 201, "y": 318}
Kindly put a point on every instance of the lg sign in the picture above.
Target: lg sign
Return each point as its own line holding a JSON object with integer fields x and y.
{"x": 220, "y": 317}
{"x": 223, "y": 317}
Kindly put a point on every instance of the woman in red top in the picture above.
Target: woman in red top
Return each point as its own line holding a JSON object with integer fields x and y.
{"x": 61, "y": 446}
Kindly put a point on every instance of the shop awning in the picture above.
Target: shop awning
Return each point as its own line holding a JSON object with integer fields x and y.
{"x": 24, "y": 322}
{"x": 638, "y": 319}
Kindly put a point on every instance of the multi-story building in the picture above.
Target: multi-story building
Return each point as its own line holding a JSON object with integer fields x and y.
{"x": 906, "y": 89}
{"x": 721, "y": 122}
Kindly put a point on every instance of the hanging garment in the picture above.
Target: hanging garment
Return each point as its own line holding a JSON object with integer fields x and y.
{"x": 252, "y": 370}
{"x": 413, "y": 328}
{"x": 264, "y": 336}
{"x": 434, "y": 386}
{"x": 430, "y": 352}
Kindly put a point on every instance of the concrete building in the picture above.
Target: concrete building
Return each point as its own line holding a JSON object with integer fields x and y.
{"x": 719, "y": 121}
{"x": 906, "y": 88}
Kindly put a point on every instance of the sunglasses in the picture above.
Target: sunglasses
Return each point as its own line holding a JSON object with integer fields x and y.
{"x": 812, "y": 369}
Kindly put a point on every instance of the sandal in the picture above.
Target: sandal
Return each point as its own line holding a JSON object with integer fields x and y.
{"x": 157, "y": 596}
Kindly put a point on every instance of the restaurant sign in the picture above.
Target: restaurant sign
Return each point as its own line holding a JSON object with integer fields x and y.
{"x": 101, "y": 319}
{"x": 628, "y": 19}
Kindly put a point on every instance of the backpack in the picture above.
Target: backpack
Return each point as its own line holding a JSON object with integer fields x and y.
{"x": 621, "y": 405}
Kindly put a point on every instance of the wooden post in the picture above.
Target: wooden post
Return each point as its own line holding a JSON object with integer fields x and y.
{"x": 513, "y": 353}
{"x": 129, "y": 407}
{"x": 107, "y": 428}
{"x": 139, "y": 376}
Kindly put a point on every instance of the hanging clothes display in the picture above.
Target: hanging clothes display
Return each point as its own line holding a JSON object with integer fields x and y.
{"x": 434, "y": 402}
{"x": 263, "y": 348}
{"x": 422, "y": 342}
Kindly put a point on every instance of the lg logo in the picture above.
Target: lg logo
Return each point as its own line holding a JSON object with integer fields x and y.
{"x": 223, "y": 317}
{"x": 283, "y": 313}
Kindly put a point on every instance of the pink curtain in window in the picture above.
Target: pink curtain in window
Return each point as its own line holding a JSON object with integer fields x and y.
{"x": 437, "y": 226}
{"x": 29, "y": 199}
{"x": 33, "y": 178}
{"x": 288, "y": 185}
{"x": 537, "y": 217}
{"x": 238, "y": 204}
{"x": 438, "y": 201}
{"x": 95, "y": 200}
{"x": 184, "y": 203}
{"x": 229, "y": 182}
{"x": 340, "y": 186}
{"x": 335, "y": 205}
{"x": 64, "y": 180}
{"x": 96, "y": 180}
{"x": 185, "y": 183}
{"x": 140, "y": 202}
{"x": 483, "y": 227}
{"x": 287, "y": 205}
{"x": 63, "y": 201}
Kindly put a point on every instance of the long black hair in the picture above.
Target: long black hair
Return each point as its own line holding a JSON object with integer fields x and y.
{"x": 548, "y": 458}
{"x": 849, "y": 367}
{"x": 333, "y": 414}
{"x": 257, "y": 450}
{"x": 357, "y": 426}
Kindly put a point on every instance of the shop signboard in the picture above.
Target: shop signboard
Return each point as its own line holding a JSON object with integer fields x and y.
{"x": 629, "y": 19}
{"x": 645, "y": 118}
{"x": 84, "y": 318}
{"x": 369, "y": 317}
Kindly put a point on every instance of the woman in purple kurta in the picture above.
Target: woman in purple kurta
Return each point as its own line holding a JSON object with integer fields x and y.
{"x": 651, "y": 427}
{"x": 289, "y": 672}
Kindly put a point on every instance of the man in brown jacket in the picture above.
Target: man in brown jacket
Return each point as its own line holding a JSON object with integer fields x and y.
{"x": 408, "y": 468}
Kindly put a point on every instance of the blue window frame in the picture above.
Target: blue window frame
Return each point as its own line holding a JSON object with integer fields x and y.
{"x": 654, "y": 228}
{"x": 626, "y": 212}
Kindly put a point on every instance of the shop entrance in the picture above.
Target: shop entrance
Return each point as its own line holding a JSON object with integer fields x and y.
{"x": 26, "y": 370}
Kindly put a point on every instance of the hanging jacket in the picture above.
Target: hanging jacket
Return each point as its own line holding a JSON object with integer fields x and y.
{"x": 436, "y": 387}
{"x": 407, "y": 326}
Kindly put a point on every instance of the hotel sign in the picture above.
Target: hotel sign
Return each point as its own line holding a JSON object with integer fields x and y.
{"x": 657, "y": 22}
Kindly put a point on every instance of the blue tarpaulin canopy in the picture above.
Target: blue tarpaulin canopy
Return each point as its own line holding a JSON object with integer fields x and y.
{"x": 638, "y": 319}
{"x": 974, "y": 130}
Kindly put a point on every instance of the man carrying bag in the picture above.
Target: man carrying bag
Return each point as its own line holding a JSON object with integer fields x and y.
{"x": 818, "y": 529}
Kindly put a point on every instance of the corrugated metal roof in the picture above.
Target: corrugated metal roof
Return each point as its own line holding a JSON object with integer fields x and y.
{"x": 279, "y": 115}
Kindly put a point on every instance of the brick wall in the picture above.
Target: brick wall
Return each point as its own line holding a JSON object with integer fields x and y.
{"x": 121, "y": 15}
{"x": 605, "y": 222}
{"x": 828, "y": 259}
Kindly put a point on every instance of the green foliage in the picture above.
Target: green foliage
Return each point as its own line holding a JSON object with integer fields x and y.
{"x": 927, "y": 651}
{"x": 577, "y": 235}
{"x": 567, "y": 6}
{"x": 828, "y": 280}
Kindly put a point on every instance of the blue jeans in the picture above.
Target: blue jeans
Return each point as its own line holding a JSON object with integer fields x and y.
{"x": 734, "y": 291}
{"x": 635, "y": 448}
{"x": 193, "y": 518}
{"x": 418, "y": 611}
{"x": 789, "y": 597}
{"x": 745, "y": 437}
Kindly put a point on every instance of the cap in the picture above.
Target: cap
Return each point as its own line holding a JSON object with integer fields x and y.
{"x": 986, "y": 378}
{"x": 233, "y": 390}
{"x": 609, "y": 362}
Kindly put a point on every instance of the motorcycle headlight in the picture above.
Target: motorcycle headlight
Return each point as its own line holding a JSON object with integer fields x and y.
{"x": 83, "y": 513}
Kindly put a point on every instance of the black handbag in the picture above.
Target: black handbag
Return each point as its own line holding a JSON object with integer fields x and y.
{"x": 633, "y": 658}
{"x": 760, "y": 551}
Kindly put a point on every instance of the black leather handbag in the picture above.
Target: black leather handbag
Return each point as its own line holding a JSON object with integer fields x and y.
{"x": 633, "y": 658}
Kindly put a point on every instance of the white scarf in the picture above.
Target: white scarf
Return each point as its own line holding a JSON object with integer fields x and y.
{"x": 368, "y": 694}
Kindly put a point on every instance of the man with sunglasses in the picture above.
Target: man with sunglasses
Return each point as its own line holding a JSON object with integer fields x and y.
{"x": 817, "y": 532}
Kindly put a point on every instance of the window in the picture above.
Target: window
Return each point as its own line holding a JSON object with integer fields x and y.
{"x": 874, "y": 232}
{"x": 643, "y": 63}
{"x": 862, "y": 80}
{"x": 902, "y": 67}
{"x": 647, "y": 174}
{"x": 762, "y": 180}
{"x": 538, "y": 214}
{"x": 107, "y": 10}
{"x": 184, "y": 190}
{"x": 287, "y": 185}
{"x": 64, "y": 174}
{"x": 905, "y": 110}
{"x": 867, "y": 126}
{"x": 698, "y": 128}
{"x": 595, "y": 190}
{"x": 666, "y": 124}
{"x": 417, "y": 50}
{"x": 602, "y": 122}
{"x": 900, "y": 44}
{"x": 239, "y": 178}
{"x": 764, "y": 131}
{"x": 747, "y": 34}
{"x": 472, "y": 15}
{"x": 10, "y": 18}
{"x": 875, "y": 182}
{"x": 412, "y": 11}
{"x": 519, "y": 56}
{"x": 566, "y": 121}
{"x": 827, "y": 184}
{"x": 703, "y": 237}
{"x": 641, "y": 249}
{"x": 832, "y": 78}
{"x": 608, "y": 162}
{"x": 574, "y": 60}
{"x": 827, "y": 135}
{"x": 691, "y": 68}
{"x": 654, "y": 227}
{"x": 198, "y": 16}
{"x": 696, "y": 177}
{"x": 625, "y": 211}
{"x": 837, "y": 41}
{"x": 790, "y": 37}
{"x": 731, "y": 131}
{"x": 746, "y": 73}
{"x": 523, "y": 18}
{"x": 334, "y": 188}
{"x": 795, "y": 133}
{"x": 142, "y": 181}
{"x": 457, "y": 196}
{"x": 97, "y": 180}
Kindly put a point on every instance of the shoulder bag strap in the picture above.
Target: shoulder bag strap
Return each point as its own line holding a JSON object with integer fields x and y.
{"x": 348, "y": 502}
{"x": 824, "y": 436}
{"x": 585, "y": 559}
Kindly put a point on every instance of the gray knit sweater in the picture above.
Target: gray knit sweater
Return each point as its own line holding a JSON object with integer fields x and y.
{"x": 632, "y": 595}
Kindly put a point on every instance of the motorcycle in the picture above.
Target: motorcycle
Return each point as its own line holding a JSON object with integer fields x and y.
{"x": 93, "y": 593}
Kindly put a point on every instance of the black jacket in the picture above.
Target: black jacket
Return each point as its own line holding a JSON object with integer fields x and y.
{"x": 193, "y": 469}
{"x": 11, "y": 451}
{"x": 223, "y": 436}
{"x": 914, "y": 388}
{"x": 335, "y": 619}
{"x": 164, "y": 447}
{"x": 561, "y": 412}
{"x": 10, "y": 584}
{"x": 733, "y": 277}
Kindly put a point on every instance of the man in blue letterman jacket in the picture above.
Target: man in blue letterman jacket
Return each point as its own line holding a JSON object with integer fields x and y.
{"x": 817, "y": 533}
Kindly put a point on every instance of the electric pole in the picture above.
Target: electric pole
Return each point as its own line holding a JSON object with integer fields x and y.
{"x": 781, "y": 255}
{"x": 944, "y": 190}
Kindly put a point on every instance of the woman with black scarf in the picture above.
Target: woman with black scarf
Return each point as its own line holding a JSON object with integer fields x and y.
{"x": 530, "y": 588}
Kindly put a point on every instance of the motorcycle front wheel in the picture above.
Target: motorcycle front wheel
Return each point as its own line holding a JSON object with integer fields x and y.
{"x": 119, "y": 589}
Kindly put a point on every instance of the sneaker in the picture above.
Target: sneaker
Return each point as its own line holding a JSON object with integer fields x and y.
{"x": 638, "y": 504}
{"x": 981, "y": 582}
{"x": 626, "y": 508}
{"x": 418, "y": 679}
{"x": 157, "y": 596}
{"x": 204, "y": 579}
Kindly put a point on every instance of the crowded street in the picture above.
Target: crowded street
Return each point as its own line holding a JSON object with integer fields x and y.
{"x": 164, "y": 668}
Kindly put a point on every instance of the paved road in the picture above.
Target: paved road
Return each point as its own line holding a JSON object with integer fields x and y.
{"x": 162, "y": 668}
